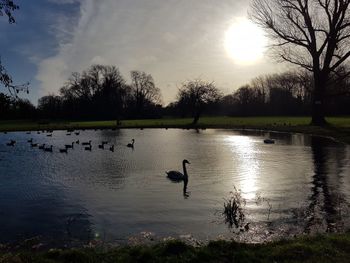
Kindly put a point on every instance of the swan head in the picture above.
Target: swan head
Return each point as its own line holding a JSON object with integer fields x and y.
{"x": 185, "y": 161}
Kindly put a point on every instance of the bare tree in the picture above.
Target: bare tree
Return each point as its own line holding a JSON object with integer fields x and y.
{"x": 144, "y": 90}
{"x": 7, "y": 7}
{"x": 196, "y": 95}
{"x": 313, "y": 34}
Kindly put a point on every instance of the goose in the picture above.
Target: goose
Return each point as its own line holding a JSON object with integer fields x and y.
{"x": 65, "y": 150}
{"x": 111, "y": 148}
{"x": 89, "y": 148}
{"x": 48, "y": 149}
{"x": 42, "y": 147}
{"x": 131, "y": 145}
{"x": 176, "y": 176}
{"x": 86, "y": 143}
{"x": 69, "y": 146}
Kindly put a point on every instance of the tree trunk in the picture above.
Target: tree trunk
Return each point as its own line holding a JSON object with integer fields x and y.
{"x": 318, "y": 101}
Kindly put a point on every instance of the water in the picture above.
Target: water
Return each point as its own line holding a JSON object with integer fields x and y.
{"x": 301, "y": 184}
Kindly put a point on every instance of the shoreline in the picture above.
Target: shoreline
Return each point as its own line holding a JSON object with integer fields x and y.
{"x": 338, "y": 130}
{"x": 318, "y": 248}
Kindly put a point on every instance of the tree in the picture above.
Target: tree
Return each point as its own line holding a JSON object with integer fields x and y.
{"x": 7, "y": 7}
{"x": 313, "y": 34}
{"x": 145, "y": 93}
{"x": 196, "y": 95}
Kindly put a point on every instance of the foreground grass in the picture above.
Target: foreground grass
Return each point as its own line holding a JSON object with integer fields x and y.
{"x": 339, "y": 126}
{"x": 327, "y": 248}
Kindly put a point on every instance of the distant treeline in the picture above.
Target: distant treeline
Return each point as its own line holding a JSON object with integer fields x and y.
{"x": 101, "y": 92}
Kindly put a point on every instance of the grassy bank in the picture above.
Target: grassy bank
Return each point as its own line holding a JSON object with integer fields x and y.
{"x": 339, "y": 126}
{"x": 327, "y": 248}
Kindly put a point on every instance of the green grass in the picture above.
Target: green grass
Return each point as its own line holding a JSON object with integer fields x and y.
{"x": 339, "y": 126}
{"x": 326, "y": 248}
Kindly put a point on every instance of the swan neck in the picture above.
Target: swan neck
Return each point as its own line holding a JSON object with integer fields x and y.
{"x": 185, "y": 170}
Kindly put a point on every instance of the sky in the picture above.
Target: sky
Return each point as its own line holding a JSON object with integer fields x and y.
{"x": 173, "y": 40}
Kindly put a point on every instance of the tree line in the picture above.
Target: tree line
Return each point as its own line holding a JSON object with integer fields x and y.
{"x": 102, "y": 93}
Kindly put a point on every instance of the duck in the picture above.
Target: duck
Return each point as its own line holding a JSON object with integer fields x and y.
{"x": 101, "y": 146}
{"x": 33, "y": 145}
{"x": 30, "y": 140}
{"x": 104, "y": 142}
{"x": 86, "y": 143}
{"x": 177, "y": 176}
{"x": 77, "y": 133}
{"x": 68, "y": 134}
{"x": 49, "y": 135}
{"x": 48, "y": 149}
{"x": 131, "y": 145}
{"x": 111, "y": 148}
{"x": 77, "y": 142}
{"x": 69, "y": 146}
{"x": 65, "y": 150}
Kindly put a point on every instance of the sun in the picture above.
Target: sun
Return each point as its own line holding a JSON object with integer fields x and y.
{"x": 245, "y": 43}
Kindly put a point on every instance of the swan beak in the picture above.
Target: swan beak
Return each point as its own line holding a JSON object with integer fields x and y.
{"x": 189, "y": 163}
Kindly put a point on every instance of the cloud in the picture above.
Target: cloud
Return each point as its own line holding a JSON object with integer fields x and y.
{"x": 173, "y": 40}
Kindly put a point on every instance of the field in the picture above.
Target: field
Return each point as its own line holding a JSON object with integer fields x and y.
{"x": 339, "y": 127}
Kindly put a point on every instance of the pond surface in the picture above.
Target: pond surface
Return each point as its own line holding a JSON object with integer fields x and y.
{"x": 300, "y": 184}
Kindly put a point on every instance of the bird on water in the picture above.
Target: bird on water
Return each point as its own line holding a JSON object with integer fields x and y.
{"x": 131, "y": 145}
{"x": 177, "y": 176}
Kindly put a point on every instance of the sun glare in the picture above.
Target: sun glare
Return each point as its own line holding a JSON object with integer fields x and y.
{"x": 245, "y": 43}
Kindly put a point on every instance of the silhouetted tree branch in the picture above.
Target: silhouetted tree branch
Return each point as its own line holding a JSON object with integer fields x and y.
{"x": 313, "y": 34}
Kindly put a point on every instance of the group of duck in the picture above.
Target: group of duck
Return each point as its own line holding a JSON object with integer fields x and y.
{"x": 87, "y": 145}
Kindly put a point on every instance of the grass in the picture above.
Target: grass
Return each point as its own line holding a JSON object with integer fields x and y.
{"x": 325, "y": 248}
{"x": 339, "y": 127}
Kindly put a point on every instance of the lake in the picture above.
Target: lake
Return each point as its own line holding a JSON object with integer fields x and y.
{"x": 300, "y": 184}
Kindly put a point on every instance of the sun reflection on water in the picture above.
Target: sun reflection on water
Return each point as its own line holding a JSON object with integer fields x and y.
{"x": 247, "y": 164}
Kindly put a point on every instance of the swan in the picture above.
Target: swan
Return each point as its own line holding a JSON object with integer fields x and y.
{"x": 176, "y": 176}
{"x": 131, "y": 145}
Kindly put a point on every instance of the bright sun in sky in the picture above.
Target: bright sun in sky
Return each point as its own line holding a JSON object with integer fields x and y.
{"x": 245, "y": 43}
